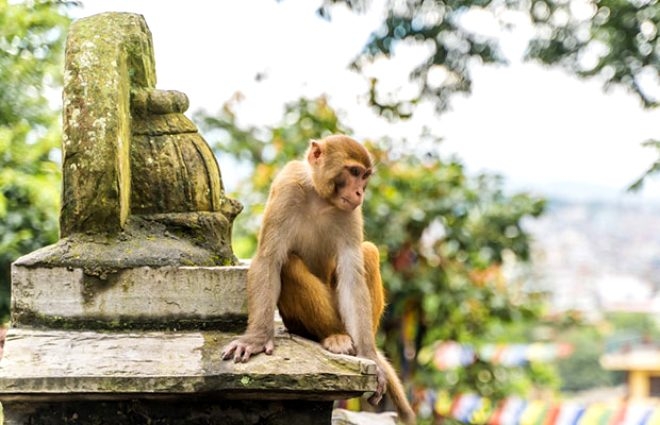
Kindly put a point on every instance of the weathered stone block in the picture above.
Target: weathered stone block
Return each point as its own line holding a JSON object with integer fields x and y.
{"x": 47, "y": 376}
{"x": 144, "y": 297}
{"x": 175, "y": 411}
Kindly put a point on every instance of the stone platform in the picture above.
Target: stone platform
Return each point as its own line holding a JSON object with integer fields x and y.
{"x": 173, "y": 297}
{"x": 142, "y": 345}
{"x": 167, "y": 377}
{"x": 122, "y": 321}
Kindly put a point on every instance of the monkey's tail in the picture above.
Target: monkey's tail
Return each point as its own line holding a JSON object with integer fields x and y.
{"x": 396, "y": 392}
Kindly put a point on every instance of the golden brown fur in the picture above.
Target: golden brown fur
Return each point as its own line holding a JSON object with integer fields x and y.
{"x": 313, "y": 264}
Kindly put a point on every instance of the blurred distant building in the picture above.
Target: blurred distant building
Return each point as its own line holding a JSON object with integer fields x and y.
{"x": 595, "y": 257}
{"x": 640, "y": 360}
{"x": 599, "y": 257}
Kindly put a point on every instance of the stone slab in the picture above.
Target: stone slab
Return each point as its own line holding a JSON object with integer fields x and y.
{"x": 173, "y": 297}
{"x": 47, "y": 364}
{"x": 186, "y": 411}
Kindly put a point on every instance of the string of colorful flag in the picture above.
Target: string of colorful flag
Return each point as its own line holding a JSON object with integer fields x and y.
{"x": 450, "y": 355}
{"x": 473, "y": 409}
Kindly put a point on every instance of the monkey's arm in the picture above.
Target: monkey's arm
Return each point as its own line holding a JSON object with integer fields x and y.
{"x": 355, "y": 309}
{"x": 263, "y": 291}
{"x": 263, "y": 284}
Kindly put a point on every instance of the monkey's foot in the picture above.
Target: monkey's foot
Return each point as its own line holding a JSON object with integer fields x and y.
{"x": 339, "y": 344}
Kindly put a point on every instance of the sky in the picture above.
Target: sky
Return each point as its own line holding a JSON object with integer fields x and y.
{"x": 542, "y": 129}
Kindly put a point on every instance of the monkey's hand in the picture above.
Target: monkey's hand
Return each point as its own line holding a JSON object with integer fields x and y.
{"x": 381, "y": 386}
{"x": 246, "y": 346}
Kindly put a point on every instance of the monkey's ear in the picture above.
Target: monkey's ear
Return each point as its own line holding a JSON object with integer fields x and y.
{"x": 314, "y": 153}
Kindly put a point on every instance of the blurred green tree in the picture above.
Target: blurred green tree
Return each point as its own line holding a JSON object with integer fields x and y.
{"x": 617, "y": 42}
{"x": 582, "y": 371}
{"x": 31, "y": 43}
{"x": 445, "y": 239}
{"x": 614, "y": 40}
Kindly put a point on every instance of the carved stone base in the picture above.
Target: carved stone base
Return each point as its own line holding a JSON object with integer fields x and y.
{"x": 56, "y": 376}
{"x": 148, "y": 297}
{"x": 198, "y": 411}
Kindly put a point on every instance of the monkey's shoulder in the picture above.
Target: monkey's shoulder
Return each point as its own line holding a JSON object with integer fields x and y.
{"x": 295, "y": 169}
{"x": 295, "y": 175}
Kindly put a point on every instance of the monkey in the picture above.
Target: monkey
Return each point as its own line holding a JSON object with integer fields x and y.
{"x": 313, "y": 264}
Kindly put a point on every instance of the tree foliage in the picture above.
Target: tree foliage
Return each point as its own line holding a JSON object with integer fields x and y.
{"x": 451, "y": 49}
{"x": 582, "y": 371}
{"x": 616, "y": 40}
{"x": 31, "y": 43}
{"x": 445, "y": 238}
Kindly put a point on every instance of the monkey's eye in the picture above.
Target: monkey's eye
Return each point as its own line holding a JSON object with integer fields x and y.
{"x": 355, "y": 171}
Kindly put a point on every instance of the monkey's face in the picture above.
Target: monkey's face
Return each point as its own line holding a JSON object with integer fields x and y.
{"x": 340, "y": 170}
{"x": 350, "y": 186}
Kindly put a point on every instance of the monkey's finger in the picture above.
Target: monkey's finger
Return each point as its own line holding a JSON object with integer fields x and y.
{"x": 381, "y": 387}
{"x": 228, "y": 351}
{"x": 375, "y": 398}
{"x": 239, "y": 353}
{"x": 247, "y": 353}
{"x": 270, "y": 346}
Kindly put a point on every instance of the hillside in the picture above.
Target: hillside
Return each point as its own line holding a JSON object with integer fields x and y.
{"x": 595, "y": 255}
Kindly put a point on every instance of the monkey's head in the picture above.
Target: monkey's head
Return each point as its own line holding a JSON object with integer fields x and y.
{"x": 341, "y": 168}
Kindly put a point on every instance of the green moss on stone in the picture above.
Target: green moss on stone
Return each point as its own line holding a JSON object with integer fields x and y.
{"x": 143, "y": 243}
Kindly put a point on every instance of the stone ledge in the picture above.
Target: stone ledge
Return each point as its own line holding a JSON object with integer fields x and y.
{"x": 111, "y": 365}
{"x": 180, "y": 411}
{"x": 170, "y": 297}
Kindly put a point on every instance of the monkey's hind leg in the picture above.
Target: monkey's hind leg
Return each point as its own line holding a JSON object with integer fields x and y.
{"x": 308, "y": 308}
{"x": 374, "y": 282}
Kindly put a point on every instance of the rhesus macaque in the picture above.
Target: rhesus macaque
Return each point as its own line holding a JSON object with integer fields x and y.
{"x": 313, "y": 264}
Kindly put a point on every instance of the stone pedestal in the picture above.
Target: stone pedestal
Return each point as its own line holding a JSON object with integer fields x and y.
{"x": 142, "y": 363}
{"x": 166, "y": 377}
{"x": 122, "y": 321}
{"x": 200, "y": 410}
{"x": 141, "y": 297}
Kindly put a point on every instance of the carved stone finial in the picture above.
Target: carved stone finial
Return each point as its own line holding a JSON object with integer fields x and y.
{"x": 107, "y": 56}
{"x": 144, "y": 217}
{"x": 135, "y": 169}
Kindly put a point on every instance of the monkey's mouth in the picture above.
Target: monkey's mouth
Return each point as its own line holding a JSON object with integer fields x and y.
{"x": 348, "y": 205}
